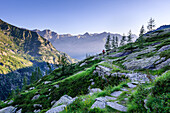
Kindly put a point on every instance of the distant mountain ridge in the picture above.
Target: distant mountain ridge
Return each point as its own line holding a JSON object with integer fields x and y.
{"x": 78, "y": 46}
{"x": 21, "y": 51}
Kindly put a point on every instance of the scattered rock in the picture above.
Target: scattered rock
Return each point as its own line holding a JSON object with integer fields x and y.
{"x": 11, "y": 101}
{"x": 57, "y": 86}
{"x": 117, "y": 106}
{"x": 94, "y": 90}
{"x": 167, "y": 47}
{"x": 130, "y": 85}
{"x": 105, "y": 99}
{"x": 47, "y": 82}
{"x": 83, "y": 64}
{"x": 66, "y": 100}
{"x": 116, "y": 93}
{"x": 19, "y": 111}
{"x": 8, "y": 109}
{"x": 134, "y": 55}
{"x": 37, "y": 111}
{"x": 91, "y": 80}
{"x": 35, "y": 97}
{"x": 124, "y": 89}
{"x": 163, "y": 64}
{"x": 141, "y": 63}
{"x": 31, "y": 88}
{"x": 160, "y": 60}
{"x": 145, "y": 101}
{"x": 56, "y": 109}
{"x": 92, "y": 83}
{"x": 99, "y": 104}
{"x": 37, "y": 105}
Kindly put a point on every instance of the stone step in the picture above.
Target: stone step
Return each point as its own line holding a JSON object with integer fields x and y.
{"x": 116, "y": 93}
{"x": 117, "y": 106}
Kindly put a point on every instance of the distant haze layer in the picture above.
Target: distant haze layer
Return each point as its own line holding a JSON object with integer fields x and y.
{"x": 80, "y": 45}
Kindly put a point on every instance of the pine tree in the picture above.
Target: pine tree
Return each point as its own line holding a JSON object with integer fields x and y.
{"x": 123, "y": 40}
{"x": 151, "y": 24}
{"x": 107, "y": 45}
{"x": 24, "y": 83}
{"x": 130, "y": 39}
{"x": 113, "y": 42}
{"x": 116, "y": 42}
{"x": 33, "y": 77}
{"x": 129, "y": 36}
{"x": 142, "y": 31}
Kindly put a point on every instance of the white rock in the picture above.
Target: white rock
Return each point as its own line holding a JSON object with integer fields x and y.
{"x": 92, "y": 83}
{"x": 37, "y": 111}
{"x": 35, "y": 97}
{"x": 94, "y": 90}
{"x": 116, "y": 93}
{"x": 46, "y": 82}
{"x": 11, "y": 101}
{"x": 124, "y": 89}
{"x": 31, "y": 88}
{"x": 99, "y": 104}
{"x": 56, "y": 109}
{"x": 130, "y": 85}
{"x": 37, "y": 105}
{"x": 7, "y": 109}
{"x": 19, "y": 111}
{"x": 57, "y": 86}
{"x": 117, "y": 106}
{"x": 64, "y": 100}
{"x": 167, "y": 47}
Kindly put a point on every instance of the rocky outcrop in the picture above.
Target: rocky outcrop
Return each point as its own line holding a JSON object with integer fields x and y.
{"x": 163, "y": 64}
{"x": 7, "y": 109}
{"x": 167, "y": 47}
{"x": 134, "y": 55}
{"x": 144, "y": 63}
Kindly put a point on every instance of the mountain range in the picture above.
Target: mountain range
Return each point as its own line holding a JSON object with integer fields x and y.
{"x": 21, "y": 51}
{"x": 77, "y": 46}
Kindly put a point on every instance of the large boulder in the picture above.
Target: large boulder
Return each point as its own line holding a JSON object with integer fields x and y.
{"x": 56, "y": 109}
{"x": 8, "y": 109}
{"x": 66, "y": 100}
{"x": 99, "y": 104}
{"x": 141, "y": 63}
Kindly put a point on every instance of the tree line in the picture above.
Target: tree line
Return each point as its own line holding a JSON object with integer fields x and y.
{"x": 113, "y": 42}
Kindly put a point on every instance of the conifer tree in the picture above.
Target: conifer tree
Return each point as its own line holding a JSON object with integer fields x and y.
{"x": 151, "y": 24}
{"x": 123, "y": 40}
{"x": 24, "y": 83}
{"x": 113, "y": 42}
{"x": 130, "y": 39}
{"x": 142, "y": 31}
{"x": 116, "y": 42}
{"x": 107, "y": 45}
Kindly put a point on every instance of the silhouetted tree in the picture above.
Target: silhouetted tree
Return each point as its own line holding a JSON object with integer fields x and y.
{"x": 123, "y": 40}
{"x": 130, "y": 39}
{"x": 151, "y": 24}
{"x": 142, "y": 31}
{"x": 107, "y": 45}
{"x": 24, "y": 83}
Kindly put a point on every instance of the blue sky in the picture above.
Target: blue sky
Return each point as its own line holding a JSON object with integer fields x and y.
{"x": 80, "y": 16}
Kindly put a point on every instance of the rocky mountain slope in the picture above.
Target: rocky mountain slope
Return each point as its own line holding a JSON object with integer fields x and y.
{"x": 79, "y": 45}
{"x": 131, "y": 78}
{"x": 21, "y": 51}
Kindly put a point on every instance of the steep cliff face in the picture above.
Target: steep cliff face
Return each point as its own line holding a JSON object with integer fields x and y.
{"x": 22, "y": 50}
